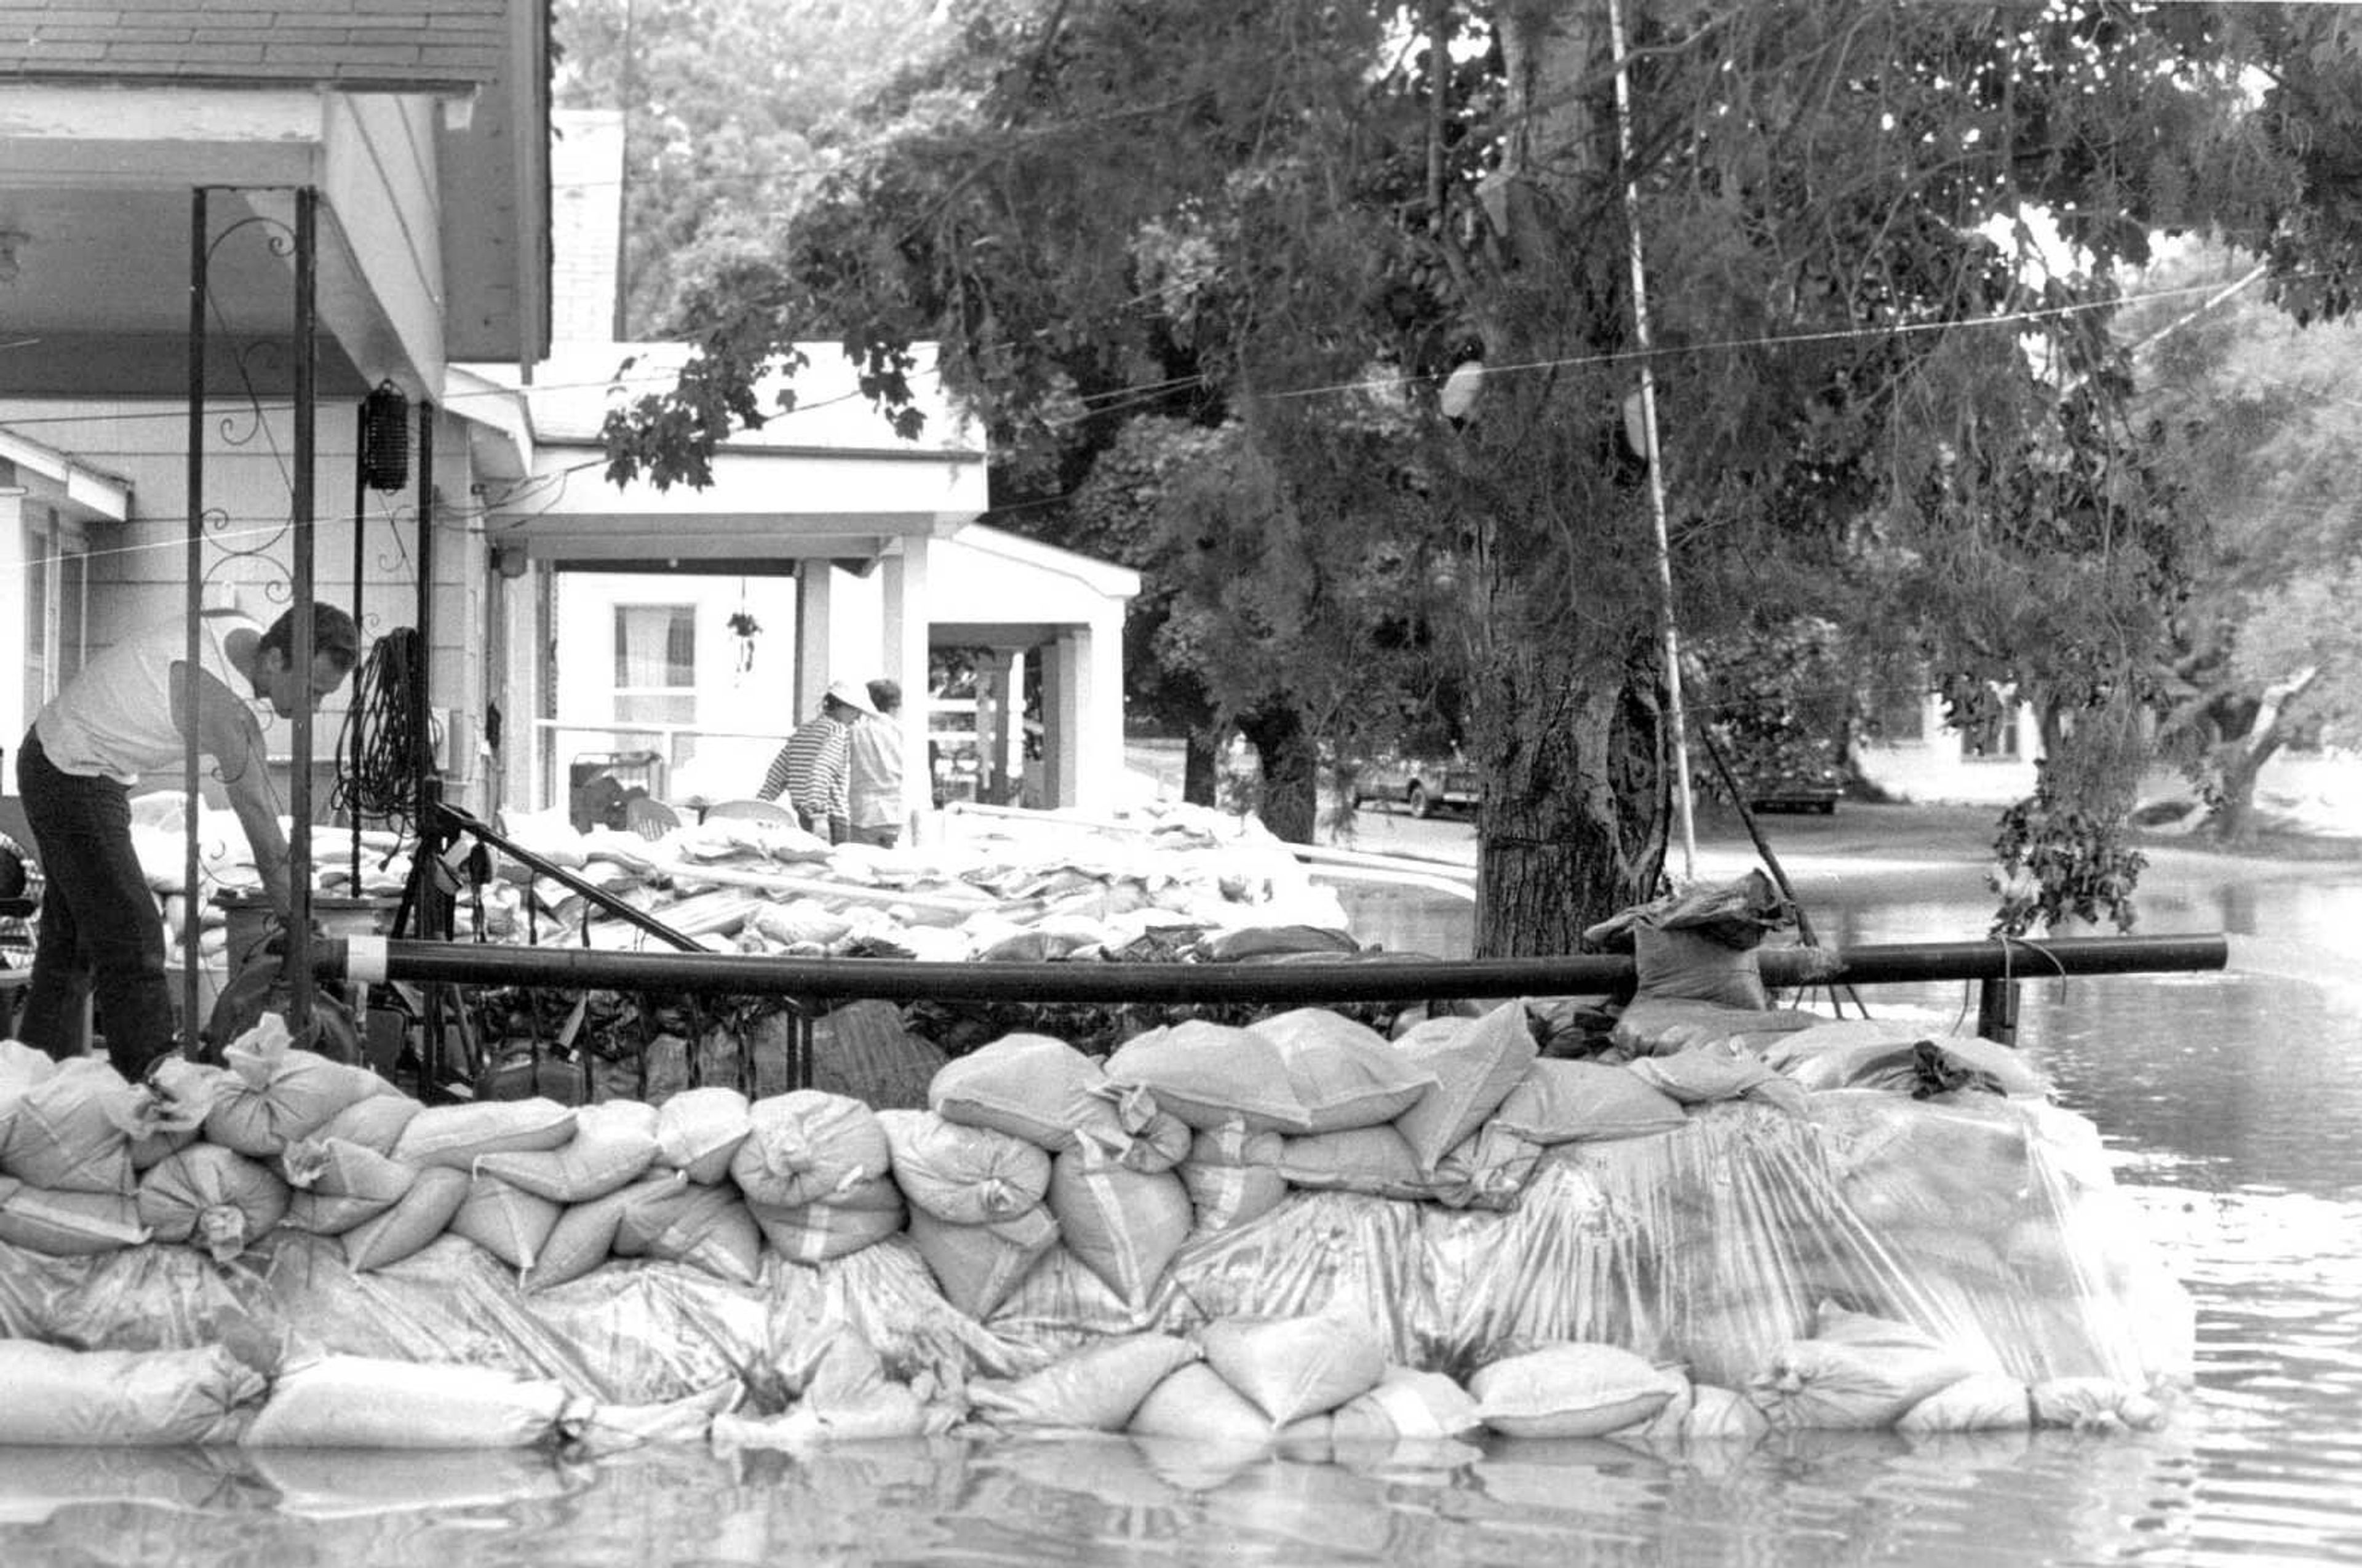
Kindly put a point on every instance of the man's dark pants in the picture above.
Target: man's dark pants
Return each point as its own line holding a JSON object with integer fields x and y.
{"x": 101, "y": 932}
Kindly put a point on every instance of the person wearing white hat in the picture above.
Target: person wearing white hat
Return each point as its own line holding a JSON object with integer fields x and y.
{"x": 811, "y": 768}
{"x": 873, "y": 769}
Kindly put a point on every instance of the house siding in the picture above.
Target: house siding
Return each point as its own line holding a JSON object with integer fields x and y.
{"x": 418, "y": 45}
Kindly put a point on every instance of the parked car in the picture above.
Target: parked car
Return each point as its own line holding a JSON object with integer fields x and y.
{"x": 1422, "y": 784}
{"x": 1802, "y": 788}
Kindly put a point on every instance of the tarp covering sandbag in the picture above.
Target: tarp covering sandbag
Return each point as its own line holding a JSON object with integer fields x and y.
{"x": 1674, "y": 1208}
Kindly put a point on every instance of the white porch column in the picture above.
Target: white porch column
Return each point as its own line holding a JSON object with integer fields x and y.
{"x": 998, "y": 719}
{"x": 521, "y": 631}
{"x": 1065, "y": 691}
{"x": 1098, "y": 736}
{"x": 815, "y": 596}
{"x": 905, "y": 631}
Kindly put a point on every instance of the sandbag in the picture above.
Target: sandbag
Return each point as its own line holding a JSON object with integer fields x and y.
{"x": 1206, "y": 1074}
{"x": 1857, "y": 1372}
{"x": 1658, "y": 1026}
{"x": 340, "y": 1185}
{"x": 1703, "y": 1076}
{"x": 349, "y": 1401}
{"x": 1123, "y": 1225}
{"x": 976, "y": 1267}
{"x": 68, "y": 1131}
{"x": 1474, "y": 1064}
{"x": 275, "y": 1094}
{"x": 1863, "y": 1053}
{"x": 1693, "y": 966}
{"x": 1569, "y": 1102}
{"x": 1233, "y": 1175}
{"x": 614, "y": 1145}
{"x": 699, "y": 1129}
{"x": 504, "y": 1219}
{"x": 1373, "y": 1160}
{"x": 1097, "y": 1389}
{"x": 704, "y": 1227}
{"x": 457, "y": 1135}
{"x": 1197, "y": 1404}
{"x": 21, "y": 1066}
{"x": 67, "y": 1224}
{"x": 808, "y": 1145}
{"x": 1488, "y": 1171}
{"x": 1027, "y": 1086}
{"x": 1980, "y": 1402}
{"x": 123, "y": 1398}
{"x": 1571, "y": 1390}
{"x": 858, "y": 1216}
{"x": 376, "y": 1123}
{"x": 420, "y": 1215}
{"x": 1292, "y": 1367}
{"x": 963, "y": 1176}
{"x": 584, "y": 1236}
{"x": 1407, "y": 1406}
{"x": 212, "y": 1198}
{"x": 2094, "y": 1403}
{"x": 1342, "y": 1072}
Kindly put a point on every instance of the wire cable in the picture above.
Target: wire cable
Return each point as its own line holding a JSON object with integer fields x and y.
{"x": 376, "y": 750}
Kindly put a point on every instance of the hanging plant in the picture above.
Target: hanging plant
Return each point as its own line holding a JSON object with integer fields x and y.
{"x": 744, "y": 626}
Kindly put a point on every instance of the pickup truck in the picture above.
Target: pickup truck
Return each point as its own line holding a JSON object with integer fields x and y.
{"x": 1421, "y": 785}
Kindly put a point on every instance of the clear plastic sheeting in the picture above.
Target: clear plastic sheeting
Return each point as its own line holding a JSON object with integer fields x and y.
{"x": 1989, "y": 1225}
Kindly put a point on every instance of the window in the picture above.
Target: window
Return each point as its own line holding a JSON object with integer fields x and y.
{"x": 55, "y": 601}
{"x": 655, "y": 664}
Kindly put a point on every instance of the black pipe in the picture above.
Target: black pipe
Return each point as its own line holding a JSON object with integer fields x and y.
{"x": 1380, "y": 979}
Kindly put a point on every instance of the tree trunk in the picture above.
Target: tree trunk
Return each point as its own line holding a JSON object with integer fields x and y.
{"x": 1568, "y": 729}
{"x": 1576, "y": 806}
{"x": 2234, "y": 812}
{"x": 1291, "y": 772}
{"x": 1201, "y": 771}
{"x": 2242, "y": 760}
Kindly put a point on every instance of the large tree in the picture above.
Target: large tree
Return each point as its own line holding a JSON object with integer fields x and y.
{"x": 726, "y": 106}
{"x": 2265, "y": 431}
{"x": 1301, "y": 218}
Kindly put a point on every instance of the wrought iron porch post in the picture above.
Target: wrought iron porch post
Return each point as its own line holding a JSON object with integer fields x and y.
{"x": 192, "y": 931}
{"x": 299, "y": 792}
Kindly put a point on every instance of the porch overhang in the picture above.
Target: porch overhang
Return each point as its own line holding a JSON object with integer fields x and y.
{"x": 94, "y": 233}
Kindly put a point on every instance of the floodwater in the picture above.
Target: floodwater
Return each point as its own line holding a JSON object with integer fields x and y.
{"x": 2230, "y": 1103}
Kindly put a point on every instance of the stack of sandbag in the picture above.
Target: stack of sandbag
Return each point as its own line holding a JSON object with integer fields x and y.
{"x": 977, "y": 1213}
{"x": 816, "y": 1170}
{"x": 1111, "y": 1148}
{"x": 68, "y": 1186}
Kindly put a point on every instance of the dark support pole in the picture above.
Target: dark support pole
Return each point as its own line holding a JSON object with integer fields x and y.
{"x": 299, "y": 785}
{"x": 360, "y": 556}
{"x": 1997, "y": 1010}
{"x": 192, "y": 950}
{"x": 426, "y": 793}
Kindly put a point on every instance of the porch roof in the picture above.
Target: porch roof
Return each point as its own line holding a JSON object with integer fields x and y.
{"x": 828, "y": 479}
{"x": 382, "y": 45}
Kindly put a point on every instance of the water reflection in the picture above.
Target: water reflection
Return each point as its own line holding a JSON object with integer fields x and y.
{"x": 1800, "y": 1498}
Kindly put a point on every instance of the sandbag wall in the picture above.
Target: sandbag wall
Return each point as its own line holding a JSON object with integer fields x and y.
{"x": 1769, "y": 1253}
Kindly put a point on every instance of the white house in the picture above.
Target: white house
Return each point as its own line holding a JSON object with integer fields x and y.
{"x": 679, "y": 635}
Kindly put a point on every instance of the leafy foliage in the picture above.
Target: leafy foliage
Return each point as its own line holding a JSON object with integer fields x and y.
{"x": 1287, "y": 222}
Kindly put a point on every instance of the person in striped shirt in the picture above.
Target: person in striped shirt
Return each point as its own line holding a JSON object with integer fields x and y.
{"x": 811, "y": 768}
